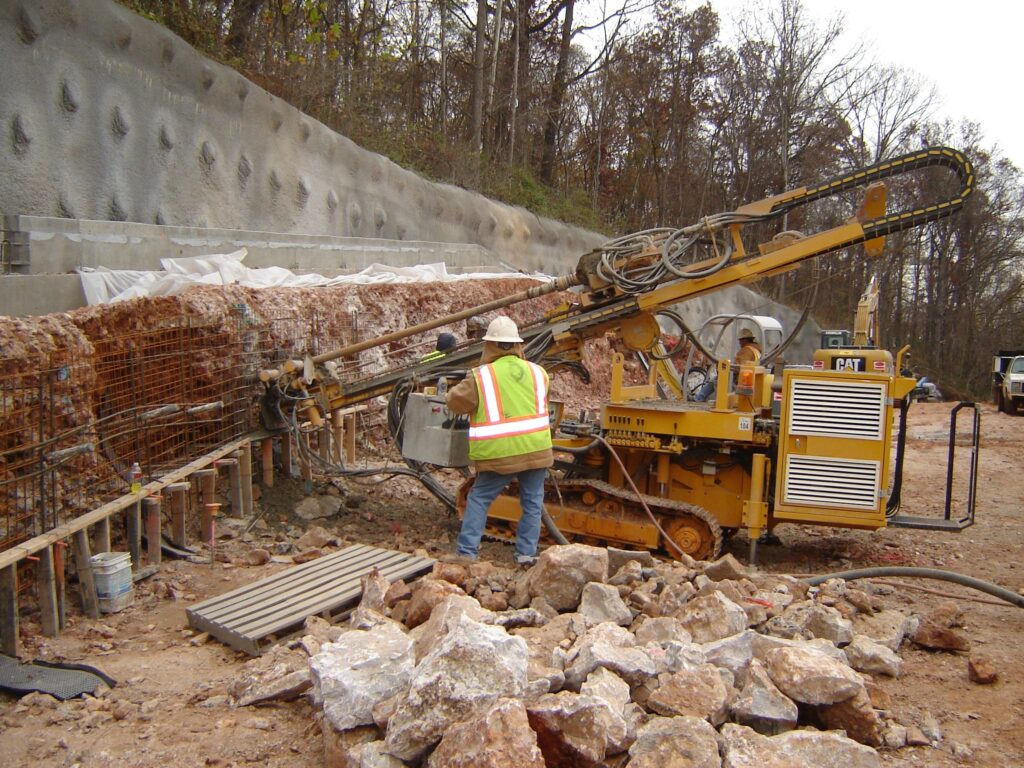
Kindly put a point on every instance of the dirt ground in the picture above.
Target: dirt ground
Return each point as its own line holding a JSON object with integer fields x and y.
{"x": 170, "y": 707}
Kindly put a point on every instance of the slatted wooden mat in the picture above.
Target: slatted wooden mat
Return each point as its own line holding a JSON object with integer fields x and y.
{"x": 244, "y": 617}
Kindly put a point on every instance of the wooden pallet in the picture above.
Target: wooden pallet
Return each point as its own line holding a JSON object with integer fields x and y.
{"x": 246, "y": 616}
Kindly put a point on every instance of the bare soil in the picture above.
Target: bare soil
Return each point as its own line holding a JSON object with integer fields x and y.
{"x": 170, "y": 707}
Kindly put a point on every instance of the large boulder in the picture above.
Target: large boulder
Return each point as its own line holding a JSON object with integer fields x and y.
{"x": 745, "y": 748}
{"x": 887, "y": 627}
{"x": 576, "y": 729}
{"x": 426, "y": 594}
{"x": 471, "y": 668}
{"x": 698, "y": 692}
{"x": 865, "y": 655}
{"x": 661, "y": 630}
{"x": 762, "y": 706}
{"x": 815, "y": 620}
{"x": 498, "y": 737}
{"x": 856, "y": 716}
{"x": 362, "y": 668}
{"x": 443, "y": 618}
{"x": 810, "y": 677}
{"x": 601, "y": 602}
{"x": 612, "y": 647}
{"x": 562, "y": 572}
{"x": 675, "y": 742}
{"x": 712, "y": 617}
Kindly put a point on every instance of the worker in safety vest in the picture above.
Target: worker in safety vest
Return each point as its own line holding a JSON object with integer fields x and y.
{"x": 750, "y": 350}
{"x": 509, "y": 437}
{"x": 445, "y": 344}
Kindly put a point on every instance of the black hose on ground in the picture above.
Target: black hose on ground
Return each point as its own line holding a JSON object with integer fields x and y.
{"x": 924, "y": 573}
{"x": 556, "y": 534}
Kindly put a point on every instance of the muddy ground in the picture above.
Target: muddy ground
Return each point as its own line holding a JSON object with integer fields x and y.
{"x": 169, "y": 707}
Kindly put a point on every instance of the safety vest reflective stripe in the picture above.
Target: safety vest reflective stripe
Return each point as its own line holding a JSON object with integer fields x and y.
{"x": 540, "y": 388}
{"x": 490, "y": 399}
{"x": 510, "y": 427}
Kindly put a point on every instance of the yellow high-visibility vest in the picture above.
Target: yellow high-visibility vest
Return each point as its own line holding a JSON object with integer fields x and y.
{"x": 512, "y": 416}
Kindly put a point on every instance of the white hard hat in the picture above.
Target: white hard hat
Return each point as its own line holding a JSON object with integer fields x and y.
{"x": 502, "y": 329}
{"x": 746, "y": 333}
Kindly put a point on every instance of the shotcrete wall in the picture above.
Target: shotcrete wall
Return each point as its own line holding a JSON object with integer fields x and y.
{"x": 109, "y": 116}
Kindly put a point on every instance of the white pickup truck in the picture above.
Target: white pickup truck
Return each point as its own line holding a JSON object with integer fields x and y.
{"x": 1008, "y": 381}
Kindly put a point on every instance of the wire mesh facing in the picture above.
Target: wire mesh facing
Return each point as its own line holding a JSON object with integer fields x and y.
{"x": 70, "y": 430}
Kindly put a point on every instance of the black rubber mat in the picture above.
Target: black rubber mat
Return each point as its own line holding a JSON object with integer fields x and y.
{"x": 62, "y": 681}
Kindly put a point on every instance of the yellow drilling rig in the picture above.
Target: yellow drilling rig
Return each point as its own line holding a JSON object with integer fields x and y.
{"x": 807, "y": 444}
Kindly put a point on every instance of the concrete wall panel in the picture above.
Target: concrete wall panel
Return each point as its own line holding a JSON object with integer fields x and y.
{"x": 109, "y": 116}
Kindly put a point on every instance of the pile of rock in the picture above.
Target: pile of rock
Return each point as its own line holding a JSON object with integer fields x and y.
{"x": 596, "y": 657}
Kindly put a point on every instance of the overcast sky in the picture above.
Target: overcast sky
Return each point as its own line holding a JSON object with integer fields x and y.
{"x": 971, "y": 51}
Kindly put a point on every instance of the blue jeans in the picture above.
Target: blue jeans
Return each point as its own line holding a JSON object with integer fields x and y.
{"x": 485, "y": 490}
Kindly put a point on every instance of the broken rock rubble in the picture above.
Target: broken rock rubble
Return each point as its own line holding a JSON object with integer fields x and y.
{"x": 584, "y": 673}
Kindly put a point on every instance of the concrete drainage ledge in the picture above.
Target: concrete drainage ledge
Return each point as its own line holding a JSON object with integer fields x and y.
{"x": 42, "y": 254}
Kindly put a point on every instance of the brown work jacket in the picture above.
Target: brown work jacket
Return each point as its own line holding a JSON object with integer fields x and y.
{"x": 464, "y": 398}
{"x": 751, "y": 353}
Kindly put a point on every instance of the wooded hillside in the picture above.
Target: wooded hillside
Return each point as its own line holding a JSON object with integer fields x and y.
{"x": 627, "y": 115}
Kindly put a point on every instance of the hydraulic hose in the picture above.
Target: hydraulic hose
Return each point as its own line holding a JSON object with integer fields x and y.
{"x": 924, "y": 573}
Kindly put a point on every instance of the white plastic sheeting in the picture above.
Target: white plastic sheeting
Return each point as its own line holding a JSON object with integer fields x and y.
{"x": 103, "y": 286}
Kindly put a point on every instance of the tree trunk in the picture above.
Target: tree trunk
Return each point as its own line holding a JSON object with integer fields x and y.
{"x": 556, "y": 97}
{"x": 477, "y": 107}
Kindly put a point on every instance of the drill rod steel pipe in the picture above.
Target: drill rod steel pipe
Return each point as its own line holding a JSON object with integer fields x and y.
{"x": 558, "y": 284}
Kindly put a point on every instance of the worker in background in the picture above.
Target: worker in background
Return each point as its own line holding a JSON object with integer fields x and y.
{"x": 748, "y": 353}
{"x": 476, "y": 327}
{"x": 506, "y": 398}
{"x": 445, "y": 343}
{"x": 750, "y": 350}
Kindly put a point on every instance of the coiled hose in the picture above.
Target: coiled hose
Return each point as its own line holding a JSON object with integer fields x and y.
{"x": 924, "y": 573}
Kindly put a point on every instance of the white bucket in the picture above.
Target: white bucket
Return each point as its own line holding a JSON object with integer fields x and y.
{"x": 112, "y": 574}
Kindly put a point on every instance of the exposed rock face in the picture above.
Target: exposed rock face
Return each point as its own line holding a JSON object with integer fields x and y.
{"x": 360, "y": 669}
{"x": 866, "y": 655}
{"x": 712, "y": 617}
{"x": 745, "y": 748}
{"x": 601, "y": 602}
{"x": 762, "y": 706}
{"x": 499, "y": 737}
{"x": 576, "y": 730}
{"x": 472, "y": 667}
{"x": 562, "y": 572}
{"x": 810, "y": 677}
{"x": 675, "y": 742}
{"x": 699, "y": 693}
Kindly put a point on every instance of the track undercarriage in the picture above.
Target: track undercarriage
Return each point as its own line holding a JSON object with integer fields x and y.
{"x": 596, "y": 512}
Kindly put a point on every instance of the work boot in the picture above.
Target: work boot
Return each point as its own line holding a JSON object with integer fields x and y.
{"x": 525, "y": 561}
{"x": 458, "y": 559}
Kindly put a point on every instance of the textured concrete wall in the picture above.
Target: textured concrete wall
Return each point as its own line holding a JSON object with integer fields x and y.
{"x": 109, "y": 116}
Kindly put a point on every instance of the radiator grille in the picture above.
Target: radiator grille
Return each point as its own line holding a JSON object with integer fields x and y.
{"x": 1016, "y": 387}
{"x": 831, "y": 482}
{"x": 837, "y": 408}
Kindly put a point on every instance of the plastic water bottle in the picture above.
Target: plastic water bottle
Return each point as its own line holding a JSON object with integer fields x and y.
{"x": 136, "y": 478}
